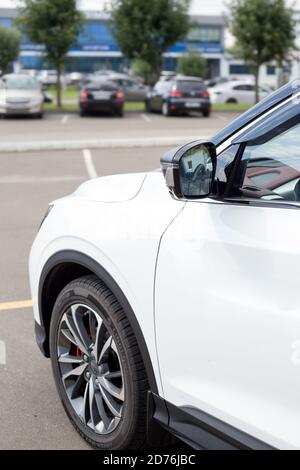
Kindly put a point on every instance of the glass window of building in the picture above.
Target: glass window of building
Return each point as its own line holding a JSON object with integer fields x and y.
{"x": 205, "y": 34}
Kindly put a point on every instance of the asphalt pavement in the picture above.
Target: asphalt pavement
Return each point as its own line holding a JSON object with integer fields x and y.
{"x": 70, "y": 131}
{"x": 31, "y": 415}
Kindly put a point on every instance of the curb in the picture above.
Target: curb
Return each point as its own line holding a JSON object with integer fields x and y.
{"x": 96, "y": 144}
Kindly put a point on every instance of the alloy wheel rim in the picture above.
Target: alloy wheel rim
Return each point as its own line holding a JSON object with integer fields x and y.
{"x": 90, "y": 368}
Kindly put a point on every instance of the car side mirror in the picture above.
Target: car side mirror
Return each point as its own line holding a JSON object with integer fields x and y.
{"x": 190, "y": 170}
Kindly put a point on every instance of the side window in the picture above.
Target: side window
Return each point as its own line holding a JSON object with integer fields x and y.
{"x": 270, "y": 169}
{"x": 129, "y": 83}
{"x": 162, "y": 87}
{"x": 241, "y": 88}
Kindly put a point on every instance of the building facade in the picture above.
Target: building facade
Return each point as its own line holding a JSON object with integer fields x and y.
{"x": 96, "y": 48}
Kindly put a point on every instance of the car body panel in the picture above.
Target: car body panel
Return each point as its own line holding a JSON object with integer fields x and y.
{"x": 226, "y": 290}
{"x": 134, "y": 90}
{"x": 124, "y": 241}
{"x": 118, "y": 188}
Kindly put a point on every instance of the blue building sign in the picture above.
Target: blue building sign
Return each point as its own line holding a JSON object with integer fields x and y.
{"x": 95, "y": 36}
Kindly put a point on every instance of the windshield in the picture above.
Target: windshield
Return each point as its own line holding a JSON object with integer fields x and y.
{"x": 20, "y": 83}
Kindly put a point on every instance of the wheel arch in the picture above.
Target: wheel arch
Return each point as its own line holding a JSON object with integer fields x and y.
{"x": 62, "y": 268}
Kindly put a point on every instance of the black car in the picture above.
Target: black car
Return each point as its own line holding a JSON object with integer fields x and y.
{"x": 101, "y": 97}
{"x": 179, "y": 96}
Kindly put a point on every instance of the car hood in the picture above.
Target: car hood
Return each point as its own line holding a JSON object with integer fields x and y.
{"x": 117, "y": 188}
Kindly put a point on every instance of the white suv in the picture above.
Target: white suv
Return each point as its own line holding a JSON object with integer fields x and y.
{"x": 169, "y": 301}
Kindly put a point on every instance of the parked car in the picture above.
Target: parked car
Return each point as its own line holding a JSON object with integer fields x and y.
{"x": 75, "y": 78}
{"x": 101, "y": 96}
{"x": 21, "y": 94}
{"x": 103, "y": 73}
{"x": 48, "y": 78}
{"x": 179, "y": 96}
{"x": 237, "y": 92}
{"x": 167, "y": 75}
{"x": 172, "y": 297}
{"x": 133, "y": 88}
{"x": 30, "y": 72}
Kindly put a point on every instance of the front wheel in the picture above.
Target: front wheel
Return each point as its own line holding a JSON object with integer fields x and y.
{"x": 232, "y": 101}
{"x": 97, "y": 366}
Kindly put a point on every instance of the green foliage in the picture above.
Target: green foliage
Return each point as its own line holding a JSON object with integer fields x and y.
{"x": 10, "y": 42}
{"x": 54, "y": 24}
{"x": 146, "y": 29}
{"x": 264, "y": 30}
{"x": 192, "y": 64}
{"x": 143, "y": 69}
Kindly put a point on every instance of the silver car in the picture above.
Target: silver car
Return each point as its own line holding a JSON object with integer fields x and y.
{"x": 21, "y": 94}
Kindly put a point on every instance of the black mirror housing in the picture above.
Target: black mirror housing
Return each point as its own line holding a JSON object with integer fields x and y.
{"x": 190, "y": 170}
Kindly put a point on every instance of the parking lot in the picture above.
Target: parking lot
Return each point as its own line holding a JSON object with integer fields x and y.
{"x": 29, "y": 180}
{"x": 62, "y": 131}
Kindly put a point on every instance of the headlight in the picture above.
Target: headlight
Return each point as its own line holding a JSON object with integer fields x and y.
{"x": 46, "y": 215}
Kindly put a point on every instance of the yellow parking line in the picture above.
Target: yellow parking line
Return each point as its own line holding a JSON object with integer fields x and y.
{"x": 15, "y": 305}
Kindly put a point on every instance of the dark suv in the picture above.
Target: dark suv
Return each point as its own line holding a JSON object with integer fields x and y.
{"x": 180, "y": 95}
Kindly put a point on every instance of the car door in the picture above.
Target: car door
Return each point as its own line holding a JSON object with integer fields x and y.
{"x": 244, "y": 93}
{"x": 129, "y": 90}
{"x": 227, "y": 308}
{"x": 135, "y": 91}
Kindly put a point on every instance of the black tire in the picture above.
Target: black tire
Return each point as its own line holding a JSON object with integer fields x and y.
{"x": 131, "y": 430}
{"x": 119, "y": 112}
{"x": 83, "y": 113}
{"x": 148, "y": 108}
{"x": 206, "y": 113}
{"x": 232, "y": 101}
{"x": 40, "y": 115}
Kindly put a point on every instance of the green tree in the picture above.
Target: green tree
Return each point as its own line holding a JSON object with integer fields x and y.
{"x": 264, "y": 30}
{"x": 143, "y": 69}
{"x": 144, "y": 30}
{"x": 55, "y": 24}
{"x": 10, "y": 42}
{"x": 192, "y": 64}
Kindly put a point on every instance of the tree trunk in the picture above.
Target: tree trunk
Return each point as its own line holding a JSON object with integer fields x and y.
{"x": 280, "y": 79}
{"x": 58, "y": 87}
{"x": 256, "y": 74}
